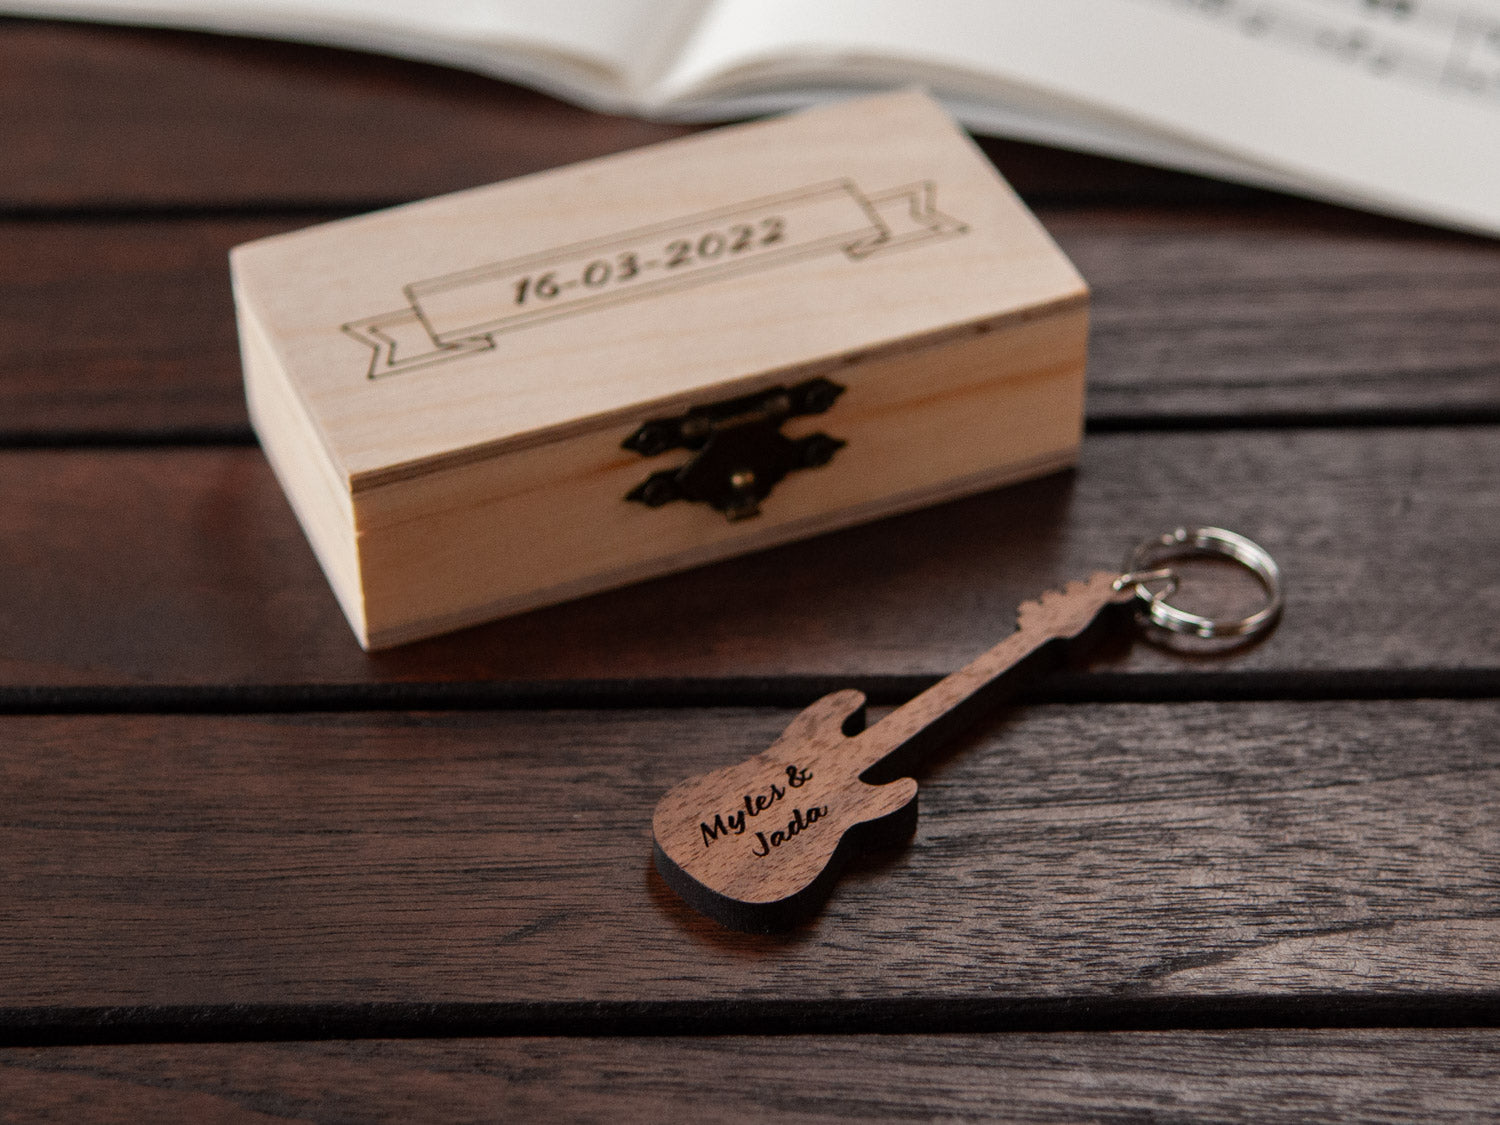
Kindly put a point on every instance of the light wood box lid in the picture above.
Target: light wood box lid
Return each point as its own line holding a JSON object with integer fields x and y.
{"x": 536, "y": 369}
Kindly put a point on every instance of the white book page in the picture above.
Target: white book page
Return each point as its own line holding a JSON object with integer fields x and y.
{"x": 991, "y": 117}
{"x": 600, "y": 51}
{"x": 1389, "y": 103}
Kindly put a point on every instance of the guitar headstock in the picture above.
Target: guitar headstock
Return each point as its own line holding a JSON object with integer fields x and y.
{"x": 1067, "y": 612}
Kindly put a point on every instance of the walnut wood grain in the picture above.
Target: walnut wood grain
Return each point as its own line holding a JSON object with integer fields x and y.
{"x": 1260, "y": 1077}
{"x": 1081, "y": 859}
{"x": 120, "y": 328}
{"x": 164, "y": 567}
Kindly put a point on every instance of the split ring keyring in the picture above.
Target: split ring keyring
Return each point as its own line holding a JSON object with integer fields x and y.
{"x": 1143, "y": 563}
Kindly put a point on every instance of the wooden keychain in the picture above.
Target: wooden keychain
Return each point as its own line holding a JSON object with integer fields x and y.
{"x": 757, "y": 845}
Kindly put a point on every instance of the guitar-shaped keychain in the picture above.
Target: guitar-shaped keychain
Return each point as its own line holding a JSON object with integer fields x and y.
{"x": 758, "y": 845}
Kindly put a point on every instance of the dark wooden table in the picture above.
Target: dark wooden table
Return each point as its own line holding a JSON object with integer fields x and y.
{"x": 248, "y": 872}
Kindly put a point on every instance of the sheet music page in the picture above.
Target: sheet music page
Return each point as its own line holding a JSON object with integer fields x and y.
{"x": 1390, "y": 103}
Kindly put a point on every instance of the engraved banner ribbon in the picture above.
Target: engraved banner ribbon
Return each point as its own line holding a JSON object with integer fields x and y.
{"x": 461, "y": 313}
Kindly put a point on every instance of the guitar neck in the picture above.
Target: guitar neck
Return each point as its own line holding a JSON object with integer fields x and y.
{"x": 949, "y": 706}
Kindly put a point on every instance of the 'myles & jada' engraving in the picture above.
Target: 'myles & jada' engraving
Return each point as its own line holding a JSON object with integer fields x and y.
{"x": 460, "y": 313}
{"x": 757, "y": 803}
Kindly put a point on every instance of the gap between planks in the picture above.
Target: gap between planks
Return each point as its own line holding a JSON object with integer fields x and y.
{"x": 929, "y": 1015}
{"x": 1062, "y": 688}
{"x": 1394, "y": 417}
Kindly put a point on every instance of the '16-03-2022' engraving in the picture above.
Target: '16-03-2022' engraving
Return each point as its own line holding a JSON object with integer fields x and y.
{"x": 461, "y": 313}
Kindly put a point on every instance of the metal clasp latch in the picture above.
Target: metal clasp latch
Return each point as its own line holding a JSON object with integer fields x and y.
{"x": 741, "y": 453}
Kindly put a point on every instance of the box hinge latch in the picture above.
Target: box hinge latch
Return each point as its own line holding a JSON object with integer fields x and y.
{"x": 740, "y": 452}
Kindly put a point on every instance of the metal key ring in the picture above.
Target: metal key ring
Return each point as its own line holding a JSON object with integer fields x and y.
{"x": 1186, "y": 542}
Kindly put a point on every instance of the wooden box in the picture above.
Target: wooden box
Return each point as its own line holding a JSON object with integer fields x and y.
{"x": 527, "y": 392}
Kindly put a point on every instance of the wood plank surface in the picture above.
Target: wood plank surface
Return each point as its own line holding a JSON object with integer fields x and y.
{"x": 125, "y": 119}
{"x": 1282, "y": 849}
{"x": 1284, "y": 313}
{"x": 114, "y": 327}
{"x": 121, "y": 327}
{"x": 1091, "y": 863}
{"x": 185, "y": 566}
{"x": 1260, "y": 1077}
{"x": 129, "y": 118}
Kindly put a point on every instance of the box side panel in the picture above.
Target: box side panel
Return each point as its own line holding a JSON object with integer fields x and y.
{"x": 316, "y": 491}
{"x": 992, "y": 406}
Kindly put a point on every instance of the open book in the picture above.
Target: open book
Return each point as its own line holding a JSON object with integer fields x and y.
{"x": 1391, "y": 105}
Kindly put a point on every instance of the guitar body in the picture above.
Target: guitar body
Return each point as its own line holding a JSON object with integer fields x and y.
{"x": 757, "y": 845}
